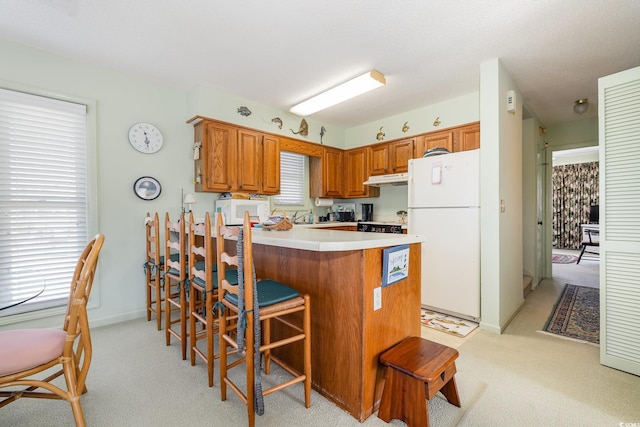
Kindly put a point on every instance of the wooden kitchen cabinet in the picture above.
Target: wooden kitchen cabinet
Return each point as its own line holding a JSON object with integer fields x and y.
{"x": 430, "y": 140}
{"x": 233, "y": 158}
{"x": 270, "y": 165}
{"x": 325, "y": 173}
{"x": 467, "y": 137}
{"x": 215, "y": 168}
{"x": 357, "y": 170}
{"x": 248, "y": 161}
{"x": 391, "y": 157}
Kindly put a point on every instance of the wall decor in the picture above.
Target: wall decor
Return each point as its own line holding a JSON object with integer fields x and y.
{"x": 380, "y": 135}
{"x": 322, "y": 132}
{"x": 304, "y": 129}
{"x": 244, "y": 111}
{"x": 395, "y": 264}
{"x": 405, "y": 127}
{"x": 145, "y": 137}
{"x": 277, "y": 120}
{"x": 147, "y": 188}
{"x": 436, "y": 122}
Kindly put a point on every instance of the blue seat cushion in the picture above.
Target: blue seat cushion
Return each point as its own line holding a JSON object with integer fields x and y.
{"x": 200, "y": 266}
{"x": 269, "y": 292}
{"x": 231, "y": 275}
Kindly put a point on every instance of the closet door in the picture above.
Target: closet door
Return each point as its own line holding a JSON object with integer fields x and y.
{"x": 619, "y": 134}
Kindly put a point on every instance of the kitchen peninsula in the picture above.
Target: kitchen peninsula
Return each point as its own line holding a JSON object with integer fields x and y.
{"x": 339, "y": 270}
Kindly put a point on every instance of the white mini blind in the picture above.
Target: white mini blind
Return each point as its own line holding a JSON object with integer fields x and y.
{"x": 291, "y": 179}
{"x": 43, "y": 198}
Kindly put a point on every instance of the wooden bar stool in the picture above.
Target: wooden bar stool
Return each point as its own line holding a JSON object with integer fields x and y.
{"x": 416, "y": 369}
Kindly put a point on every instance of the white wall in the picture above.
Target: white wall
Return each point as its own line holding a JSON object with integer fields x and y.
{"x": 121, "y": 100}
{"x": 500, "y": 184}
{"x": 453, "y": 112}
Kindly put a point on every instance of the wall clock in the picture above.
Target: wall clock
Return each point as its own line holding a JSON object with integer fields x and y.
{"x": 147, "y": 188}
{"x": 145, "y": 137}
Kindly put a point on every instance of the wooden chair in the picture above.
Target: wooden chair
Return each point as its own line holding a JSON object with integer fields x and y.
{"x": 153, "y": 268}
{"x": 175, "y": 281}
{"x": 592, "y": 240}
{"x": 25, "y": 353}
{"x": 275, "y": 301}
{"x": 203, "y": 292}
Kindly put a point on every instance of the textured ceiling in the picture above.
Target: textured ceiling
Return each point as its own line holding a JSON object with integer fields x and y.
{"x": 281, "y": 52}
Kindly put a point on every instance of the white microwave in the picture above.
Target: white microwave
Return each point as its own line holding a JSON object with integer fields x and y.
{"x": 233, "y": 210}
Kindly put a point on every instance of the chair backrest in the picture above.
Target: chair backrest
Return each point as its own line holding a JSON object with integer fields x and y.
{"x": 201, "y": 250}
{"x": 175, "y": 249}
{"x": 224, "y": 258}
{"x": 76, "y": 322}
{"x": 153, "y": 247}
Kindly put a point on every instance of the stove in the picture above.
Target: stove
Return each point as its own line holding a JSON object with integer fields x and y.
{"x": 379, "y": 227}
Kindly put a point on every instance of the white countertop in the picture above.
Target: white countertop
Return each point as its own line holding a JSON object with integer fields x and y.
{"x": 316, "y": 239}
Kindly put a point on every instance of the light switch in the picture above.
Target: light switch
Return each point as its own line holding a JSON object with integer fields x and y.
{"x": 377, "y": 298}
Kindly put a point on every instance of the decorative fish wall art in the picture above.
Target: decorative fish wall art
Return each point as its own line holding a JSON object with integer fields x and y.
{"x": 405, "y": 127}
{"x": 277, "y": 120}
{"x": 322, "y": 132}
{"x": 380, "y": 135}
{"x": 304, "y": 129}
{"x": 244, "y": 111}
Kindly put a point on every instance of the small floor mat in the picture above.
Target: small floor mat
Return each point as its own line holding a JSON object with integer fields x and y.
{"x": 563, "y": 259}
{"x": 448, "y": 324}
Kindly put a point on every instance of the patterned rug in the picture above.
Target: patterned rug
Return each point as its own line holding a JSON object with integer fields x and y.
{"x": 448, "y": 324}
{"x": 576, "y": 315}
{"x": 563, "y": 259}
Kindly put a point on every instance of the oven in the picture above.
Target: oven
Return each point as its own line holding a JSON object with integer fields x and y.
{"x": 379, "y": 227}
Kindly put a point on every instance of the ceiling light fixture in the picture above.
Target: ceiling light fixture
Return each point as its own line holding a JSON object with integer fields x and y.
{"x": 581, "y": 106}
{"x": 357, "y": 86}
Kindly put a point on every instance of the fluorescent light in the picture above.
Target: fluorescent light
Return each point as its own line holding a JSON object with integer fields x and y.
{"x": 357, "y": 86}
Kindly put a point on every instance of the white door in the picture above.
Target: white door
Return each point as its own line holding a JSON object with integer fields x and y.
{"x": 619, "y": 134}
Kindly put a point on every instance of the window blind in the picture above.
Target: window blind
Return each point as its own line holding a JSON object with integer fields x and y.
{"x": 291, "y": 179}
{"x": 43, "y": 198}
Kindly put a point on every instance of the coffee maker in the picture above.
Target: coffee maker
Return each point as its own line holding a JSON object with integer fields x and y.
{"x": 367, "y": 212}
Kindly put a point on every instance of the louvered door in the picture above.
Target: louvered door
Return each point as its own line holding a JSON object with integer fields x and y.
{"x": 619, "y": 132}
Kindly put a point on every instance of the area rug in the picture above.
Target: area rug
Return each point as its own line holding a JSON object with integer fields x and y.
{"x": 563, "y": 259}
{"x": 448, "y": 324}
{"x": 576, "y": 315}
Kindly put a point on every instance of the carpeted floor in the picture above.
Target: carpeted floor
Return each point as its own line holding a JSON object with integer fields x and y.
{"x": 576, "y": 315}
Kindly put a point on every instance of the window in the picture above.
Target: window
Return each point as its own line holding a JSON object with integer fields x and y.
{"x": 291, "y": 179}
{"x": 43, "y": 198}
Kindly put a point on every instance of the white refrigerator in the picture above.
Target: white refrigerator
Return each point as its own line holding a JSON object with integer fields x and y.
{"x": 444, "y": 208}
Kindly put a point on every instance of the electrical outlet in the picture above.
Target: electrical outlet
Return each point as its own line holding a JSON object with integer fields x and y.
{"x": 377, "y": 298}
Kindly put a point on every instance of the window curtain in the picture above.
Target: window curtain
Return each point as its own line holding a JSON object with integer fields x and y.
{"x": 575, "y": 189}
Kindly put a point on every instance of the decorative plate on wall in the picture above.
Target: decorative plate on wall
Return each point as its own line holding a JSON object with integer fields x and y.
{"x": 147, "y": 188}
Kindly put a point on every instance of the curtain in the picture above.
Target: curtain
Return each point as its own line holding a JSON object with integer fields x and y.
{"x": 575, "y": 189}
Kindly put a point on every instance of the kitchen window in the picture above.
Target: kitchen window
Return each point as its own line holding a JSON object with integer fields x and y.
{"x": 292, "y": 167}
{"x": 44, "y": 203}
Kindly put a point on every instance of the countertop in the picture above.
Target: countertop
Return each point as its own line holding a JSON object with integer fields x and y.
{"x": 312, "y": 238}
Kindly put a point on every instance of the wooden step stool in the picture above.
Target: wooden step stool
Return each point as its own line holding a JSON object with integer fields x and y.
{"x": 416, "y": 370}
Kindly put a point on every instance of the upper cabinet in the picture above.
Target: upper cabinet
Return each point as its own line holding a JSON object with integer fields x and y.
{"x": 325, "y": 173}
{"x": 443, "y": 139}
{"x": 467, "y": 137}
{"x": 270, "y": 165}
{"x": 461, "y": 138}
{"x": 356, "y": 172}
{"x": 391, "y": 157}
{"x": 231, "y": 158}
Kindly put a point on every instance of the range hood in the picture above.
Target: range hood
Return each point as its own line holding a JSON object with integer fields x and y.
{"x": 391, "y": 179}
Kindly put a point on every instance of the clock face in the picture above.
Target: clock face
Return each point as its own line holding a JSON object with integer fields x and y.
{"x": 145, "y": 137}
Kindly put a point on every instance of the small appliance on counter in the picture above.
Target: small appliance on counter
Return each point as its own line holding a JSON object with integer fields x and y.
{"x": 367, "y": 212}
{"x": 345, "y": 212}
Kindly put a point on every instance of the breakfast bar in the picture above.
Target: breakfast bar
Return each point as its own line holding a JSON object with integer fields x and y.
{"x": 340, "y": 270}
